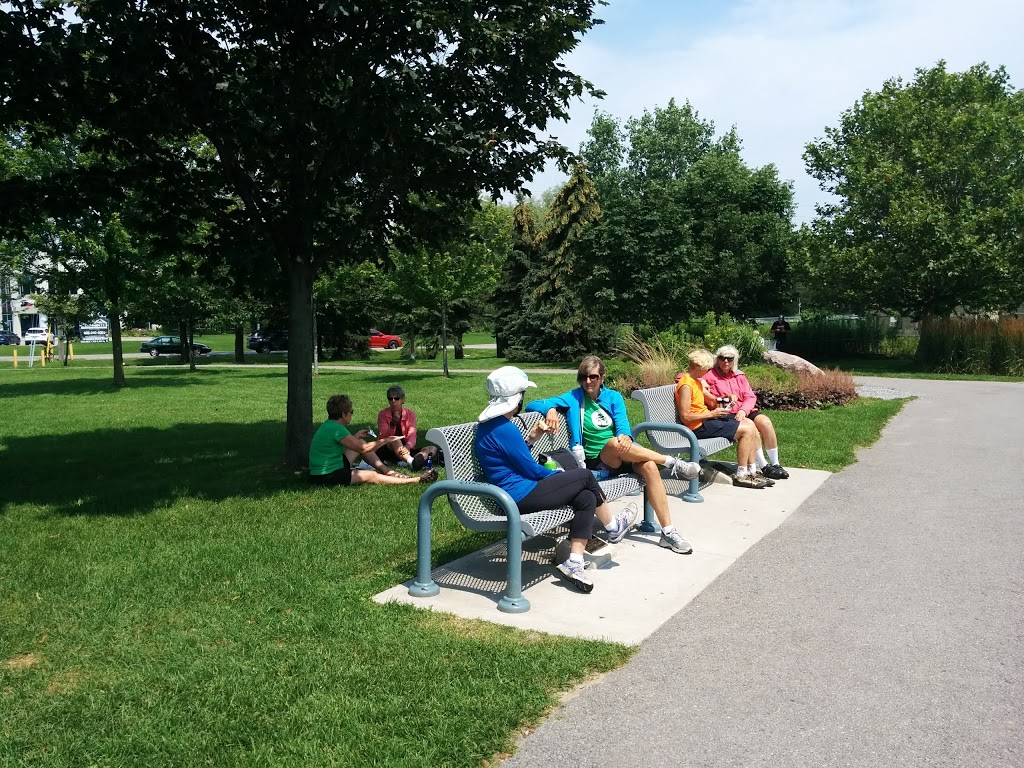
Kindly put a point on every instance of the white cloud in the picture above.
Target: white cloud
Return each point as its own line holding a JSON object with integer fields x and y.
{"x": 783, "y": 70}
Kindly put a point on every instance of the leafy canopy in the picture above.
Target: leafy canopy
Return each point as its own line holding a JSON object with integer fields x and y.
{"x": 930, "y": 176}
{"x": 328, "y": 119}
{"x": 687, "y": 226}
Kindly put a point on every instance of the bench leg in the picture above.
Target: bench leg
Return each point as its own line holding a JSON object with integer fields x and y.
{"x": 424, "y": 585}
{"x": 648, "y": 525}
{"x": 692, "y": 495}
{"x": 513, "y": 600}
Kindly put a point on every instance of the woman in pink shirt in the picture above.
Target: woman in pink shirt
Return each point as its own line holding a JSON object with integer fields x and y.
{"x": 400, "y": 421}
{"x": 726, "y": 380}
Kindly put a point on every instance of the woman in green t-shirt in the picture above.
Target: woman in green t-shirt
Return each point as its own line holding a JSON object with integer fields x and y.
{"x": 335, "y": 447}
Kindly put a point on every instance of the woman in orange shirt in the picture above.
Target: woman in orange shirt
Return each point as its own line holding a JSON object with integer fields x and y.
{"x": 693, "y": 397}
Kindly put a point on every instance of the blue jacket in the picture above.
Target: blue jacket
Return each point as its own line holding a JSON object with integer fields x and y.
{"x": 571, "y": 404}
{"x": 505, "y": 459}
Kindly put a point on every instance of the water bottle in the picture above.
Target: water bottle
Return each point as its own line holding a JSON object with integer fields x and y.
{"x": 581, "y": 459}
{"x": 550, "y": 463}
{"x": 430, "y": 462}
{"x": 600, "y": 474}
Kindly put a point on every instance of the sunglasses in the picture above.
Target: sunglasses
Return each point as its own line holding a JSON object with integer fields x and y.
{"x": 393, "y": 399}
{"x": 588, "y": 377}
{"x": 726, "y": 358}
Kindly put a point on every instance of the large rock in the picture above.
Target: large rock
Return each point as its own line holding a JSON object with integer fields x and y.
{"x": 790, "y": 363}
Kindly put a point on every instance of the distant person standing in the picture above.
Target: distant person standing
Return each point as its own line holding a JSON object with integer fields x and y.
{"x": 780, "y": 329}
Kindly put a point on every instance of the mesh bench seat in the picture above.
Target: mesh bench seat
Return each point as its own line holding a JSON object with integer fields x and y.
{"x": 480, "y": 506}
{"x": 669, "y": 436}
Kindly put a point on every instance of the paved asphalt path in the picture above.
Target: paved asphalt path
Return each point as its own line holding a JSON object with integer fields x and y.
{"x": 881, "y": 625}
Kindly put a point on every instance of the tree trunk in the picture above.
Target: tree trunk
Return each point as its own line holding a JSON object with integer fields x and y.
{"x": 239, "y": 344}
{"x": 412, "y": 344}
{"x": 298, "y": 432}
{"x": 315, "y": 341}
{"x": 190, "y": 348}
{"x": 499, "y": 342}
{"x": 460, "y": 353}
{"x": 444, "y": 343}
{"x": 183, "y": 340}
{"x": 114, "y": 314}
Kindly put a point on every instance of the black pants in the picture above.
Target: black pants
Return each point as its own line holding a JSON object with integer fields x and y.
{"x": 575, "y": 487}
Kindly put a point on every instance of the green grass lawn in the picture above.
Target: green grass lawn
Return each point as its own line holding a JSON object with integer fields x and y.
{"x": 170, "y": 595}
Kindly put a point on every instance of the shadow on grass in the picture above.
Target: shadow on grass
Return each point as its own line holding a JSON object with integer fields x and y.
{"x": 137, "y": 471}
{"x": 172, "y": 378}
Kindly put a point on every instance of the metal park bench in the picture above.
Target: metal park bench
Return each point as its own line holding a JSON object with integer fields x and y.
{"x": 669, "y": 436}
{"x": 476, "y": 504}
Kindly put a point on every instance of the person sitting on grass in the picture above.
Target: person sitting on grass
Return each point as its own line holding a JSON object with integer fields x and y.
{"x": 727, "y": 380}
{"x": 397, "y": 420}
{"x": 697, "y": 409}
{"x": 334, "y": 449}
{"x": 597, "y": 420}
{"x": 506, "y": 462}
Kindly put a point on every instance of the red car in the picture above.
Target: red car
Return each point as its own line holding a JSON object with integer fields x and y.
{"x": 380, "y": 340}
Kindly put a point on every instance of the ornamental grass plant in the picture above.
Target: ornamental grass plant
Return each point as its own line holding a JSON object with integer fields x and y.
{"x": 972, "y": 345}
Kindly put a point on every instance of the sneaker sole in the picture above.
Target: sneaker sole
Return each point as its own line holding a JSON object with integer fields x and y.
{"x": 617, "y": 537}
{"x": 582, "y": 586}
{"x": 677, "y": 551}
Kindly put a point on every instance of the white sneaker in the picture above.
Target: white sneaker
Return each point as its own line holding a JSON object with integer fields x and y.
{"x": 624, "y": 523}
{"x": 575, "y": 574}
{"x": 675, "y": 542}
{"x": 687, "y": 470}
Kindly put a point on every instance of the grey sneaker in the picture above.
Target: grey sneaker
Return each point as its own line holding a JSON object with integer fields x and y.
{"x": 576, "y": 574}
{"x": 624, "y": 521}
{"x": 768, "y": 482}
{"x": 685, "y": 470}
{"x": 675, "y": 542}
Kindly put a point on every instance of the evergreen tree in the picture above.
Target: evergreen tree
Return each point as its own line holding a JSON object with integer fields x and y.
{"x": 514, "y": 282}
{"x": 557, "y": 323}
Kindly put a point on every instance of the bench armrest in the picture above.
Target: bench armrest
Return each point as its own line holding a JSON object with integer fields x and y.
{"x": 693, "y": 494}
{"x": 665, "y": 426}
{"x": 424, "y": 585}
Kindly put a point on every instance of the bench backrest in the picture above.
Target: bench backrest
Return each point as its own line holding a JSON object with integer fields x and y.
{"x": 660, "y": 405}
{"x": 456, "y": 443}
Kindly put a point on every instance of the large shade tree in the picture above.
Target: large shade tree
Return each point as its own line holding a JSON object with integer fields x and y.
{"x": 328, "y": 118}
{"x": 687, "y": 225}
{"x": 930, "y": 180}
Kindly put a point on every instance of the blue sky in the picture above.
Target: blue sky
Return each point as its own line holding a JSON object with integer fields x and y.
{"x": 779, "y": 70}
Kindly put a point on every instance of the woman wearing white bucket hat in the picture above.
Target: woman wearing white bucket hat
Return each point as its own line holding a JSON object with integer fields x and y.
{"x": 506, "y": 462}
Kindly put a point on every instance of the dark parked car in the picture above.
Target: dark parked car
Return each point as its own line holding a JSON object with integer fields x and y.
{"x": 170, "y": 345}
{"x": 6, "y": 337}
{"x": 264, "y": 341}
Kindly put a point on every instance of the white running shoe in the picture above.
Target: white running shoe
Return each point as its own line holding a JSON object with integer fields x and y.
{"x": 686, "y": 470}
{"x": 575, "y": 573}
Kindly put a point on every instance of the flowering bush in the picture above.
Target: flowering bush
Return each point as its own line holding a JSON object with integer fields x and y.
{"x": 803, "y": 391}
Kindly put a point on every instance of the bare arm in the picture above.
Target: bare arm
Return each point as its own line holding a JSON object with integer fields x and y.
{"x": 686, "y": 412}
{"x": 355, "y": 443}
